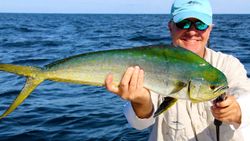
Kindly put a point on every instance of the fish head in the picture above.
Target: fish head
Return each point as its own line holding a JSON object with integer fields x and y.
{"x": 208, "y": 87}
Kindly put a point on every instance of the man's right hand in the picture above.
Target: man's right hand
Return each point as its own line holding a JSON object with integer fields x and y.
{"x": 131, "y": 89}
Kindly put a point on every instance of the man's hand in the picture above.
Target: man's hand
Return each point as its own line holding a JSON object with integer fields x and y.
{"x": 227, "y": 111}
{"x": 131, "y": 89}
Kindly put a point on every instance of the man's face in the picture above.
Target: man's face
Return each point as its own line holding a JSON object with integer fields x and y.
{"x": 191, "y": 39}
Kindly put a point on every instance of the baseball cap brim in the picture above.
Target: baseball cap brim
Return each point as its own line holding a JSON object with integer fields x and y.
{"x": 207, "y": 19}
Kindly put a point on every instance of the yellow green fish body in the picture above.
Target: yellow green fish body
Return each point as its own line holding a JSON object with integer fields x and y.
{"x": 169, "y": 71}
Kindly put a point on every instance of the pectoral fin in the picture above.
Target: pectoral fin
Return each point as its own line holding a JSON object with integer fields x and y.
{"x": 178, "y": 86}
{"x": 165, "y": 105}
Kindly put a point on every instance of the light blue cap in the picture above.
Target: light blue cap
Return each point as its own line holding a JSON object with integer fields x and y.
{"x": 199, "y": 9}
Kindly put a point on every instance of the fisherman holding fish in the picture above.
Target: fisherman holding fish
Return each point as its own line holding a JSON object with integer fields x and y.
{"x": 190, "y": 26}
{"x": 177, "y": 88}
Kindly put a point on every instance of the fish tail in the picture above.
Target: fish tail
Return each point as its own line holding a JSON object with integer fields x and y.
{"x": 20, "y": 70}
{"x": 34, "y": 75}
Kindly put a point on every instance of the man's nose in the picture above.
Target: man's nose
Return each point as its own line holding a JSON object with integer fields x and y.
{"x": 192, "y": 30}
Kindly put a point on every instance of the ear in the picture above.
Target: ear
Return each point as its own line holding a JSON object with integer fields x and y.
{"x": 210, "y": 27}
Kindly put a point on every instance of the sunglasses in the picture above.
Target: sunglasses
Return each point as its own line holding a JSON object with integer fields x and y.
{"x": 186, "y": 24}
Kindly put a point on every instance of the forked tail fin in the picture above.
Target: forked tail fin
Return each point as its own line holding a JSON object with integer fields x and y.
{"x": 20, "y": 70}
{"x": 35, "y": 77}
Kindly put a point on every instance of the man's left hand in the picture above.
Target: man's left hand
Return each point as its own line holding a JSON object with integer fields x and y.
{"x": 227, "y": 111}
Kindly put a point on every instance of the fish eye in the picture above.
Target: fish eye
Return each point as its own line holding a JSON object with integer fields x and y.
{"x": 212, "y": 87}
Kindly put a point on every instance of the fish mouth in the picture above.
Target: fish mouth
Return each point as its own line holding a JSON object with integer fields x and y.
{"x": 222, "y": 88}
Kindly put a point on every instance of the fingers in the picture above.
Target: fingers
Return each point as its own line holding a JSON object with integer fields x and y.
{"x": 110, "y": 85}
{"x": 134, "y": 80}
{"x": 131, "y": 89}
{"x": 229, "y": 117}
{"x": 227, "y": 111}
{"x": 131, "y": 84}
{"x": 223, "y": 106}
{"x": 227, "y": 102}
{"x": 222, "y": 112}
{"x": 127, "y": 77}
{"x": 129, "y": 81}
{"x": 140, "y": 82}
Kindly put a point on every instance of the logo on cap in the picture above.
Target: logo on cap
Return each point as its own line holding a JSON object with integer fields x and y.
{"x": 193, "y": 2}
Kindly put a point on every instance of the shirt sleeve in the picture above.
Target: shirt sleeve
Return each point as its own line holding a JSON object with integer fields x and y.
{"x": 239, "y": 86}
{"x": 245, "y": 113}
{"x": 136, "y": 122}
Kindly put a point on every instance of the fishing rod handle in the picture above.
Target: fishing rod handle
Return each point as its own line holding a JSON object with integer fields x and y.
{"x": 219, "y": 99}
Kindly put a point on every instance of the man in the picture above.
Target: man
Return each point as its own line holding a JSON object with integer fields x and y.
{"x": 190, "y": 27}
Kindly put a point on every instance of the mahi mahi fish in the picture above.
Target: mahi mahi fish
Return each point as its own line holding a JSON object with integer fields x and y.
{"x": 172, "y": 72}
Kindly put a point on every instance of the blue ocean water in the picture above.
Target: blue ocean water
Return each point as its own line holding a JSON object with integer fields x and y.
{"x": 62, "y": 111}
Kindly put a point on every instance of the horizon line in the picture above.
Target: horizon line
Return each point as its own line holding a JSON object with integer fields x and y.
{"x": 119, "y": 13}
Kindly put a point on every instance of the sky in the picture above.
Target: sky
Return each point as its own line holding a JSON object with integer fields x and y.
{"x": 114, "y": 6}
